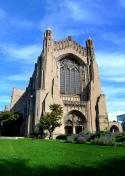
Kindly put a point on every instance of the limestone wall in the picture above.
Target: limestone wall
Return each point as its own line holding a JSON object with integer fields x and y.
{"x": 115, "y": 124}
{"x": 17, "y": 99}
{"x": 102, "y": 114}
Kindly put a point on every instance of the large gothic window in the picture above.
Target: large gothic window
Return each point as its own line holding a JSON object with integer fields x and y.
{"x": 70, "y": 74}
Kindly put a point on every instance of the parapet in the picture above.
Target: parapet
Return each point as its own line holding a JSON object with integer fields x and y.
{"x": 69, "y": 43}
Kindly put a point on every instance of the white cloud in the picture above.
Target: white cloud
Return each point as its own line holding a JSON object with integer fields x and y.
{"x": 4, "y": 86}
{"x": 86, "y": 11}
{"x": 112, "y": 69}
{"x": 116, "y": 107}
{"x": 78, "y": 12}
{"x": 115, "y": 78}
{"x": 112, "y": 37}
{"x": 4, "y": 99}
{"x": 111, "y": 60}
{"x": 66, "y": 16}
{"x": 111, "y": 66}
{"x": 113, "y": 115}
{"x": 18, "y": 77}
{"x": 29, "y": 53}
{"x": 113, "y": 91}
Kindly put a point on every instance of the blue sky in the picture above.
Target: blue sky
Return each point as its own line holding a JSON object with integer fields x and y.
{"x": 22, "y": 24}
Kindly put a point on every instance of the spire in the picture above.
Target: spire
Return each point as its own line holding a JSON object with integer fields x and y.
{"x": 89, "y": 43}
{"x": 48, "y": 33}
{"x": 90, "y": 48}
{"x": 89, "y": 38}
{"x": 48, "y": 40}
{"x": 49, "y": 29}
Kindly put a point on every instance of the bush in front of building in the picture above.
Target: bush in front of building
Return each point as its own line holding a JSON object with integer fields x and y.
{"x": 80, "y": 138}
{"x": 120, "y": 137}
{"x": 103, "y": 138}
{"x": 62, "y": 137}
{"x": 83, "y": 137}
{"x": 98, "y": 138}
{"x": 119, "y": 144}
{"x": 72, "y": 138}
{"x": 108, "y": 138}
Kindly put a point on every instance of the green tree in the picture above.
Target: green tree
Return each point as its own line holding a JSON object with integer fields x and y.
{"x": 50, "y": 121}
{"x": 9, "y": 117}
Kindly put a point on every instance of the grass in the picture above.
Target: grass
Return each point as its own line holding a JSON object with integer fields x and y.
{"x": 28, "y": 157}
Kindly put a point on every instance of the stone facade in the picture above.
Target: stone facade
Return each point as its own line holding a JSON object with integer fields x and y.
{"x": 115, "y": 126}
{"x": 66, "y": 73}
{"x": 17, "y": 99}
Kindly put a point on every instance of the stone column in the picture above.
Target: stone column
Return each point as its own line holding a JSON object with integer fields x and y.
{"x": 74, "y": 131}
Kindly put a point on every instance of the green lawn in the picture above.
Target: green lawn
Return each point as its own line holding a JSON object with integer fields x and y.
{"x": 39, "y": 157}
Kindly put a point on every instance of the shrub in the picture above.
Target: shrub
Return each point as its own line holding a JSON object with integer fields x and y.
{"x": 62, "y": 137}
{"x": 99, "y": 138}
{"x": 104, "y": 139}
{"x": 119, "y": 144}
{"x": 83, "y": 137}
{"x": 72, "y": 138}
{"x": 95, "y": 135}
{"x": 120, "y": 137}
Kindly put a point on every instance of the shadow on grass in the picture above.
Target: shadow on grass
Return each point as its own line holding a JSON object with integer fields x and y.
{"x": 17, "y": 167}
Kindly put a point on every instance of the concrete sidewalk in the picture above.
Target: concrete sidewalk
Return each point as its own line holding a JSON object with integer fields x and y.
{"x": 9, "y": 137}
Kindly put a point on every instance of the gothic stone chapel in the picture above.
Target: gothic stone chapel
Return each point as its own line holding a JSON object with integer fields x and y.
{"x": 66, "y": 73}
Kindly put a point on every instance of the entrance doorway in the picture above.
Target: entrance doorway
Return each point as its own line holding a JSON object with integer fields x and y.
{"x": 78, "y": 129}
{"x": 68, "y": 130}
{"x": 75, "y": 122}
{"x": 114, "y": 129}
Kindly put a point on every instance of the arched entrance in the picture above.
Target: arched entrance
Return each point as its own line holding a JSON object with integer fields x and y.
{"x": 75, "y": 122}
{"x": 114, "y": 128}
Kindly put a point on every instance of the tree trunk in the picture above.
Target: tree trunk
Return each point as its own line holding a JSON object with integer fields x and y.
{"x": 50, "y": 135}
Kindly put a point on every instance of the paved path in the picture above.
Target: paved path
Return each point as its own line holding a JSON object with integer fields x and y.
{"x": 8, "y": 137}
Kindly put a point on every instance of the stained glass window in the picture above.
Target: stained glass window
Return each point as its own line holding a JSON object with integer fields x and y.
{"x": 62, "y": 80}
{"x": 70, "y": 77}
{"x": 67, "y": 74}
{"x": 73, "y": 82}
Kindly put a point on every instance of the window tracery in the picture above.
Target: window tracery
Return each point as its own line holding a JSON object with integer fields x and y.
{"x": 70, "y": 77}
{"x": 75, "y": 120}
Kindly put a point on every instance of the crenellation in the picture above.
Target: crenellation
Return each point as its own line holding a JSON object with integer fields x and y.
{"x": 66, "y": 44}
